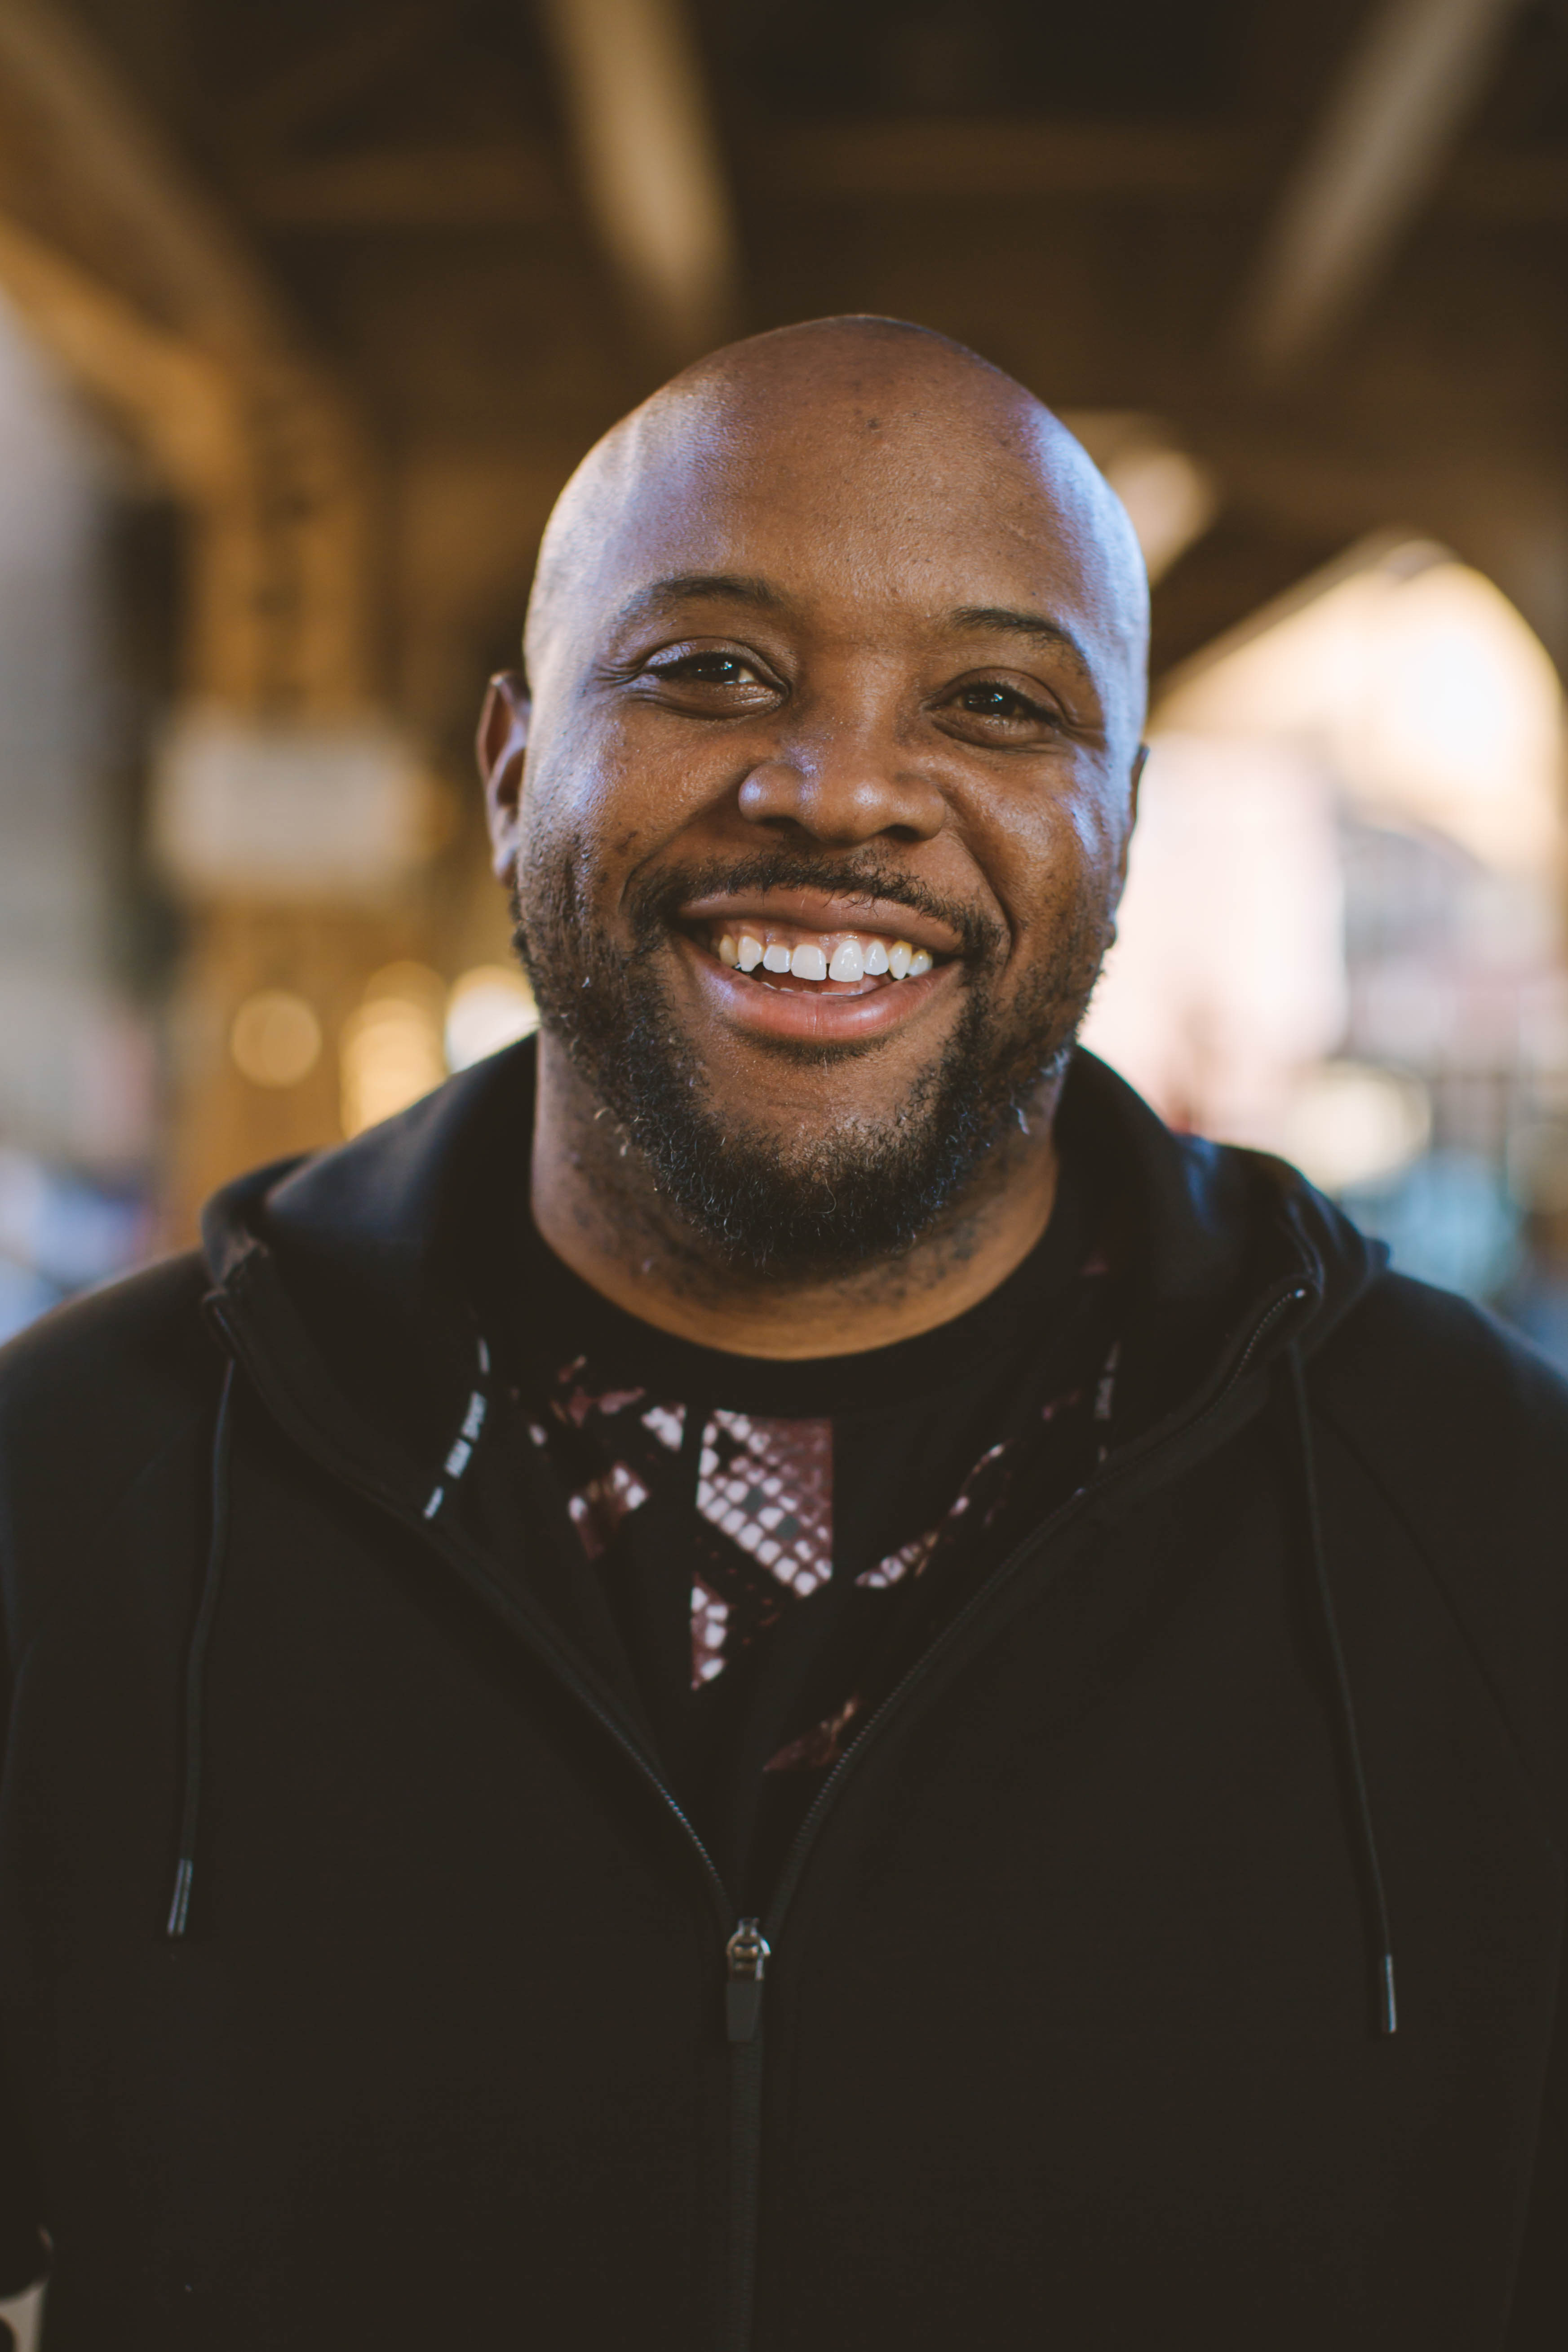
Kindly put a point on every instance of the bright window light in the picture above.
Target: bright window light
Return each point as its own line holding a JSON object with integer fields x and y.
{"x": 488, "y": 1007}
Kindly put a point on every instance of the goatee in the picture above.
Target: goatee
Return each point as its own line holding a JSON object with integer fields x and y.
{"x": 865, "y": 1190}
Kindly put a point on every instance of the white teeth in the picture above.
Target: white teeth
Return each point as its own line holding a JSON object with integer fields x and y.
{"x": 852, "y": 960}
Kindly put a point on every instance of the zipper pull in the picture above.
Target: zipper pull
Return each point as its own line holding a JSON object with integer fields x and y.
{"x": 746, "y": 1956}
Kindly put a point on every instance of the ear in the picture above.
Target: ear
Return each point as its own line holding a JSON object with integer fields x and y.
{"x": 1134, "y": 779}
{"x": 501, "y": 744}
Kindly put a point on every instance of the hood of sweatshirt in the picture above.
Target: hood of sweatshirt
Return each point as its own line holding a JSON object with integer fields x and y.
{"x": 354, "y": 1291}
{"x": 362, "y": 1289}
{"x": 367, "y": 1282}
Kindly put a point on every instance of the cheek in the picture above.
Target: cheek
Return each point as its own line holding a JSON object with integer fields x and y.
{"x": 1098, "y": 829}
{"x": 581, "y": 807}
{"x": 1059, "y": 856}
{"x": 610, "y": 795}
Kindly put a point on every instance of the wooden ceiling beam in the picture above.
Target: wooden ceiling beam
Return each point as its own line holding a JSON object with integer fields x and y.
{"x": 158, "y": 309}
{"x": 174, "y": 401}
{"x": 957, "y": 157}
{"x": 514, "y": 183}
{"x": 335, "y": 74}
{"x": 275, "y": 614}
{"x": 522, "y": 184}
{"x": 207, "y": 286}
{"x": 649, "y": 163}
{"x": 1377, "y": 157}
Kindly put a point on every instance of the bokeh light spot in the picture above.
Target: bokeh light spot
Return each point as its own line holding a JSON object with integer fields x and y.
{"x": 276, "y": 1038}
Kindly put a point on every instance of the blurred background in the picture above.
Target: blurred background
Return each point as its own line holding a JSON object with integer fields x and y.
{"x": 308, "y": 308}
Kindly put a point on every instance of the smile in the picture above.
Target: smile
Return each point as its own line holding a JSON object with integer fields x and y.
{"x": 827, "y": 968}
{"x": 842, "y": 960}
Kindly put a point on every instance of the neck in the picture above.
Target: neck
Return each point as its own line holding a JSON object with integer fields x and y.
{"x": 596, "y": 1206}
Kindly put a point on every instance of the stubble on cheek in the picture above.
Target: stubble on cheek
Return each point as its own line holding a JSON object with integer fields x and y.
{"x": 559, "y": 924}
{"x": 837, "y": 1190}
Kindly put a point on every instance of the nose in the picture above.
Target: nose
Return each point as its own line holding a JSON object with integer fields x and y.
{"x": 842, "y": 788}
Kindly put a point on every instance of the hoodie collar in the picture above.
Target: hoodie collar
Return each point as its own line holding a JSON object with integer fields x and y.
{"x": 355, "y": 1285}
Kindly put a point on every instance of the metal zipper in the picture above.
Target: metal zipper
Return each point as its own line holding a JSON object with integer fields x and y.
{"x": 789, "y": 1876}
{"x": 745, "y": 1997}
{"x": 747, "y": 1948}
{"x": 746, "y": 1956}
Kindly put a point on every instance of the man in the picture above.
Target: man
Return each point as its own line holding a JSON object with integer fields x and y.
{"x": 835, "y": 1738}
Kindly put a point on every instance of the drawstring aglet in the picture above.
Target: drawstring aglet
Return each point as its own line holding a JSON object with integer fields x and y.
{"x": 196, "y": 1666}
{"x": 180, "y": 1908}
{"x": 1387, "y": 2009}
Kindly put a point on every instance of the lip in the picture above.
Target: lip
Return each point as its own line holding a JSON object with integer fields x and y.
{"x": 818, "y": 1016}
{"x": 827, "y": 910}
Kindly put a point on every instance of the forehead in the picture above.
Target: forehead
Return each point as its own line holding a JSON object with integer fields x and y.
{"x": 861, "y": 498}
{"x": 872, "y": 499}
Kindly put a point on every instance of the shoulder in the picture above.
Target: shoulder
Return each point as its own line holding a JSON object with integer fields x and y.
{"x": 121, "y": 1346}
{"x": 1438, "y": 1387}
{"x": 1462, "y": 1427}
{"x": 93, "y": 1393}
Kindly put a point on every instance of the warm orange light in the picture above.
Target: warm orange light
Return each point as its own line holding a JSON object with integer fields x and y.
{"x": 390, "y": 1050}
{"x": 489, "y": 1007}
{"x": 276, "y": 1038}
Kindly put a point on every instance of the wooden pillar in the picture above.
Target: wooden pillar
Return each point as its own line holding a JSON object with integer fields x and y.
{"x": 143, "y": 294}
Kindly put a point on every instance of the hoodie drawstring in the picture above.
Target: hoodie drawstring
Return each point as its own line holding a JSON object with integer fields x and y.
{"x": 1387, "y": 2011}
{"x": 196, "y": 1663}
{"x": 212, "y": 1583}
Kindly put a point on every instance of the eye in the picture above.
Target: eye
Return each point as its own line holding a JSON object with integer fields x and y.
{"x": 710, "y": 681}
{"x": 1000, "y": 713}
{"x": 991, "y": 700}
{"x": 706, "y": 670}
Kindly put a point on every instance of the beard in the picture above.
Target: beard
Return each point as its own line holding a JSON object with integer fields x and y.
{"x": 821, "y": 1205}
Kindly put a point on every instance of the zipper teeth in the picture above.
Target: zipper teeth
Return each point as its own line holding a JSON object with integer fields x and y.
{"x": 649, "y": 1774}
{"x": 745, "y": 2171}
{"x": 746, "y": 2059}
{"x": 671, "y": 1802}
{"x": 789, "y": 1877}
{"x": 801, "y": 1844}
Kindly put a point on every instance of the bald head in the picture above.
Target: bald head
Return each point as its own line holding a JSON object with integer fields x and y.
{"x": 840, "y": 634}
{"x": 873, "y": 430}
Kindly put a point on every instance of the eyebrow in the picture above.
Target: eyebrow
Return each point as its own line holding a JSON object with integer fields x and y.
{"x": 1035, "y": 626}
{"x": 746, "y": 588}
{"x": 697, "y": 587}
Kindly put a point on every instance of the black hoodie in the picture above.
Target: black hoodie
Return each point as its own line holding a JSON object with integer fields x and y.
{"x": 360, "y": 1986}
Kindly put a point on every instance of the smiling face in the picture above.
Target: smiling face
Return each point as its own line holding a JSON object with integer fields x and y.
{"x": 836, "y": 657}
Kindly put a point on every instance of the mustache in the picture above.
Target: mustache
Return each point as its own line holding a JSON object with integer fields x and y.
{"x": 652, "y": 905}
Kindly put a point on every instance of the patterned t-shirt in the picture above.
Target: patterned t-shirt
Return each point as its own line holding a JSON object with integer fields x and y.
{"x": 775, "y": 1542}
